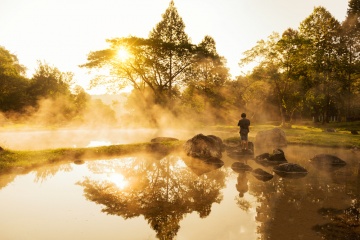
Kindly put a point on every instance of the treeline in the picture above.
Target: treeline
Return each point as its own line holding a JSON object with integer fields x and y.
{"x": 307, "y": 73}
{"x": 313, "y": 71}
{"x": 48, "y": 98}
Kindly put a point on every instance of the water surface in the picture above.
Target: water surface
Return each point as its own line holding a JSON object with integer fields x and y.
{"x": 170, "y": 197}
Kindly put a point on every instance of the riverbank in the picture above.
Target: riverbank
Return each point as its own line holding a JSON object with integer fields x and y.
{"x": 23, "y": 161}
{"x": 331, "y": 135}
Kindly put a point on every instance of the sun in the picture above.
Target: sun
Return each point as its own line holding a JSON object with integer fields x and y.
{"x": 119, "y": 180}
{"x": 122, "y": 54}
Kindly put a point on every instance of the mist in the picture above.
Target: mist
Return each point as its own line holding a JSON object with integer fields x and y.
{"x": 106, "y": 120}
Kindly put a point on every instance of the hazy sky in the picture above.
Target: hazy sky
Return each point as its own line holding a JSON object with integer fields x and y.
{"x": 63, "y": 32}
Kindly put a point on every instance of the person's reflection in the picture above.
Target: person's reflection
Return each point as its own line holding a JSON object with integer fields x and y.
{"x": 242, "y": 184}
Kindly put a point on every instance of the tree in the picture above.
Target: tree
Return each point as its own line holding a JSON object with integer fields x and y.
{"x": 161, "y": 190}
{"x": 49, "y": 82}
{"x": 280, "y": 64}
{"x": 13, "y": 84}
{"x": 248, "y": 94}
{"x": 350, "y": 58}
{"x": 51, "y": 96}
{"x": 206, "y": 80}
{"x": 174, "y": 53}
{"x": 322, "y": 30}
{"x": 158, "y": 65}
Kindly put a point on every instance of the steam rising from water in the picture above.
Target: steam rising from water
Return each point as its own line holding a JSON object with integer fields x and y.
{"x": 47, "y": 127}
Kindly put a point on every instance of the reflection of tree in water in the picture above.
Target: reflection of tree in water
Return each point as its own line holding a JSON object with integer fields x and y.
{"x": 344, "y": 222}
{"x": 288, "y": 208}
{"x": 42, "y": 173}
{"x": 163, "y": 191}
{"x": 47, "y": 171}
{"x": 5, "y": 179}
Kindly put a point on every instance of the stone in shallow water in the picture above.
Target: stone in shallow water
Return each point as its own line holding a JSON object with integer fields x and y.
{"x": 327, "y": 162}
{"x": 290, "y": 170}
{"x": 267, "y": 159}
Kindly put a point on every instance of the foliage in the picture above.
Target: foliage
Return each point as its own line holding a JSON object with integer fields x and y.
{"x": 313, "y": 71}
{"x": 49, "y": 82}
{"x": 13, "y": 84}
{"x": 160, "y": 67}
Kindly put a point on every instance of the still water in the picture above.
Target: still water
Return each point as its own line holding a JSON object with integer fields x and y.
{"x": 166, "y": 197}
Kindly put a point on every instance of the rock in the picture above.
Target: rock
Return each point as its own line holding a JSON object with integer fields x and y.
{"x": 267, "y": 159}
{"x": 237, "y": 153}
{"x": 240, "y": 167}
{"x": 290, "y": 170}
{"x": 327, "y": 162}
{"x": 205, "y": 147}
{"x": 79, "y": 161}
{"x": 163, "y": 139}
{"x": 262, "y": 175}
{"x": 234, "y": 151}
{"x": 274, "y": 138}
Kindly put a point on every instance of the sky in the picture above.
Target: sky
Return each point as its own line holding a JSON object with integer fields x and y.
{"x": 63, "y": 32}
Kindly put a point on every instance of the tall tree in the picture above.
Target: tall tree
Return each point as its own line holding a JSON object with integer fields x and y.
{"x": 156, "y": 63}
{"x": 322, "y": 30}
{"x": 280, "y": 64}
{"x": 350, "y": 58}
{"x": 207, "y": 78}
{"x": 173, "y": 54}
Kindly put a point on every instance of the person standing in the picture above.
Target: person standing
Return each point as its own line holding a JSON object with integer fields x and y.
{"x": 244, "y": 124}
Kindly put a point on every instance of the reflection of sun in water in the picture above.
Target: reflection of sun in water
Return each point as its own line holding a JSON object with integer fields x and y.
{"x": 122, "y": 54}
{"x": 118, "y": 179}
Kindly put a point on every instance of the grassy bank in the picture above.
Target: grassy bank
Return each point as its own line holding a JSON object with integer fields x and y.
{"x": 307, "y": 133}
{"x": 23, "y": 161}
{"x": 330, "y": 135}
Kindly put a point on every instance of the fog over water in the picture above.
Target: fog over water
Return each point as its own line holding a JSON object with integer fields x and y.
{"x": 68, "y": 138}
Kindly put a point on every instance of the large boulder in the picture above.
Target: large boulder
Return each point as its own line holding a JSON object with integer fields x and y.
{"x": 274, "y": 138}
{"x": 201, "y": 146}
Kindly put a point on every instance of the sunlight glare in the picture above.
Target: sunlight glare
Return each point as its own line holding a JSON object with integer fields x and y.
{"x": 118, "y": 180}
{"x": 122, "y": 54}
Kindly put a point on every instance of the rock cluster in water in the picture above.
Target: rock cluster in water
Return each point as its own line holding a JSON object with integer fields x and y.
{"x": 208, "y": 150}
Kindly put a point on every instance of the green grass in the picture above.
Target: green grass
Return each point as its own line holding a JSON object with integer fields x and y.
{"x": 309, "y": 134}
{"x": 298, "y": 134}
{"x": 23, "y": 161}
